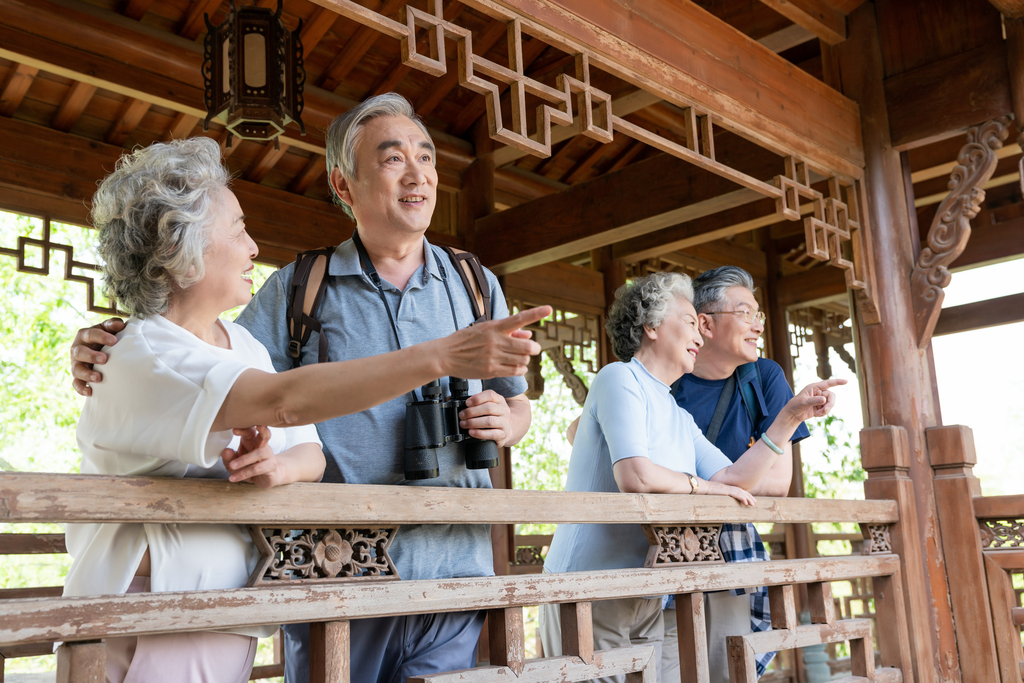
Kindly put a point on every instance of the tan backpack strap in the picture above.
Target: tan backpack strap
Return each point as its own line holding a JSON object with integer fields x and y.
{"x": 309, "y": 282}
{"x": 471, "y": 271}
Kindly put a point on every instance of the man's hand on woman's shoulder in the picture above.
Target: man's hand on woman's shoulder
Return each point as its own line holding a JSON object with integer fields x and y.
{"x": 86, "y": 352}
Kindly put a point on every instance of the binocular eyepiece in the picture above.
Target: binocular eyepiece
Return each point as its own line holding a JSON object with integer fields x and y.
{"x": 433, "y": 423}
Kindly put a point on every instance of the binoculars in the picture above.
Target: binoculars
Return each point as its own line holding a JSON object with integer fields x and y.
{"x": 433, "y": 423}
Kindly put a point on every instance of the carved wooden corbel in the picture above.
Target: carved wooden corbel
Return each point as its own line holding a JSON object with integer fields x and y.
{"x": 568, "y": 373}
{"x": 951, "y": 227}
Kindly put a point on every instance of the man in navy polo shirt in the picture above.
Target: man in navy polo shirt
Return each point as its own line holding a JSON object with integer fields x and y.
{"x": 731, "y": 325}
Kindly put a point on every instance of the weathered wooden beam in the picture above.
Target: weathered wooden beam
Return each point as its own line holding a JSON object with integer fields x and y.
{"x": 127, "y": 121}
{"x": 647, "y": 196}
{"x": 943, "y": 98}
{"x": 675, "y": 51}
{"x": 990, "y": 507}
{"x": 82, "y": 498}
{"x": 72, "y": 619}
{"x": 18, "y": 83}
{"x": 32, "y": 544}
{"x": 1003, "y": 310}
{"x": 75, "y": 101}
{"x": 560, "y": 284}
{"x": 182, "y": 127}
{"x": 637, "y": 662}
{"x": 817, "y": 16}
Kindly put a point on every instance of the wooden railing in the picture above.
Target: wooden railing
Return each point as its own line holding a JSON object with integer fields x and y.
{"x": 80, "y": 622}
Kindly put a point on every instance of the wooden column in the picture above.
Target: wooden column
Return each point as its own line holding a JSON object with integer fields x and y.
{"x": 329, "y": 656}
{"x": 614, "y": 272}
{"x": 82, "y": 662}
{"x": 953, "y": 457}
{"x": 885, "y": 456}
{"x": 897, "y": 381}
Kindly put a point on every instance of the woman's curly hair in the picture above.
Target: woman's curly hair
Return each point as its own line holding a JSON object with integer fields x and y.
{"x": 153, "y": 214}
{"x": 641, "y": 303}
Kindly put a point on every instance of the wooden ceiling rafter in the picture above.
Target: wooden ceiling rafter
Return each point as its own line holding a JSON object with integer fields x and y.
{"x": 585, "y": 165}
{"x": 315, "y": 167}
{"x": 194, "y": 24}
{"x": 816, "y": 16}
{"x": 314, "y": 30}
{"x": 136, "y": 9}
{"x": 75, "y": 101}
{"x": 358, "y": 45}
{"x": 128, "y": 119}
{"x": 18, "y": 83}
{"x": 635, "y": 148}
{"x": 182, "y": 126}
{"x": 265, "y": 161}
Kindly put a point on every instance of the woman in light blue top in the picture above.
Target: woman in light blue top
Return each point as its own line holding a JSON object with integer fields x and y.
{"x": 634, "y": 438}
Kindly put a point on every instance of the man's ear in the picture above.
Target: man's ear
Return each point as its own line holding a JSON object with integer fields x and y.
{"x": 704, "y": 326}
{"x": 340, "y": 185}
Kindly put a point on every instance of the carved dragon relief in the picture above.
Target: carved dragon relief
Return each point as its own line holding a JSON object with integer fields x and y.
{"x": 951, "y": 227}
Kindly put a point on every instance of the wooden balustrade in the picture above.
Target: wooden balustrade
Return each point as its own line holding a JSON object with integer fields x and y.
{"x": 1001, "y": 525}
{"x": 81, "y": 621}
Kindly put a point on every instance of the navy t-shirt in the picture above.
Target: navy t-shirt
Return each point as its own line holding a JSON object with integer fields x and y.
{"x": 699, "y": 397}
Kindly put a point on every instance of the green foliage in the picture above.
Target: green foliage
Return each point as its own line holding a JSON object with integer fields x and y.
{"x": 841, "y": 474}
{"x": 541, "y": 460}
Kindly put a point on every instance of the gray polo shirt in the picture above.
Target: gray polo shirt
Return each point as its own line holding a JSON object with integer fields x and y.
{"x": 368, "y": 447}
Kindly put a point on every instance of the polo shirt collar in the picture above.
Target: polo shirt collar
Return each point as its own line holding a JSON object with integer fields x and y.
{"x": 346, "y": 261}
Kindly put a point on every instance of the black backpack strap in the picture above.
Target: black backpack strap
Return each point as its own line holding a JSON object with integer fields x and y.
{"x": 309, "y": 282}
{"x": 718, "y": 418}
{"x": 471, "y": 271}
{"x": 750, "y": 401}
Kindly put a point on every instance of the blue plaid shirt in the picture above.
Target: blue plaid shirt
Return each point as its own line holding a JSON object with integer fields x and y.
{"x": 742, "y": 543}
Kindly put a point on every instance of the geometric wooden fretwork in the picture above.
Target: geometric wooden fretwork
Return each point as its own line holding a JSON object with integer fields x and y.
{"x": 951, "y": 227}
{"x": 565, "y": 338}
{"x": 45, "y": 247}
{"x": 1001, "y": 533}
{"x": 836, "y": 223}
{"x": 672, "y": 546}
{"x": 322, "y": 554}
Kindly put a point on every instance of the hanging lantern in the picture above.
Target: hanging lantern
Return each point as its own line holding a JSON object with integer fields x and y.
{"x": 253, "y": 73}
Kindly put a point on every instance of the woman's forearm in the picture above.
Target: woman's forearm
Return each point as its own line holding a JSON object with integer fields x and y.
{"x": 315, "y": 393}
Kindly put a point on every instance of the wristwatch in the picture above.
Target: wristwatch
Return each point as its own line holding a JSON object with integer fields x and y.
{"x": 694, "y": 483}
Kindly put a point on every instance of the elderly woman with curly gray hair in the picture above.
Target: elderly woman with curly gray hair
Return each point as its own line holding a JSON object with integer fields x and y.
{"x": 634, "y": 438}
{"x": 186, "y": 394}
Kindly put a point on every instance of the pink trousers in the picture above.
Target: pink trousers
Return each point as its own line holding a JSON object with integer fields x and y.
{"x": 203, "y": 657}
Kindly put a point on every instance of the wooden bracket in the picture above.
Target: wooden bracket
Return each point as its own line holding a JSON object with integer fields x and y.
{"x": 951, "y": 228}
{"x": 324, "y": 554}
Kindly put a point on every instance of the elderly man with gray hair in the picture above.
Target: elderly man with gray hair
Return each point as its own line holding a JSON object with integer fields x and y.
{"x": 634, "y": 437}
{"x": 388, "y": 289}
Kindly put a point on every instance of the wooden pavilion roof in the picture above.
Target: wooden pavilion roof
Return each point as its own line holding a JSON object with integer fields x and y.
{"x": 81, "y": 81}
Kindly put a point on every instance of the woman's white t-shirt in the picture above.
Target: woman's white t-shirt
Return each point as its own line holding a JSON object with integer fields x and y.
{"x": 151, "y": 415}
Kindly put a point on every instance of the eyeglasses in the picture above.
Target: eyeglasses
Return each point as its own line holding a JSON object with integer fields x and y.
{"x": 748, "y": 316}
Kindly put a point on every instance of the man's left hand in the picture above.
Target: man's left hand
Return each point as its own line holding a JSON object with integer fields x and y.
{"x": 487, "y": 416}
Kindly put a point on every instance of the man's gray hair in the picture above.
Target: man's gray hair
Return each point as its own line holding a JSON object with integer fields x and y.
{"x": 642, "y": 303}
{"x": 710, "y": 286}
{"x": 343, "y": 134}
{"x": 153, "y": 214}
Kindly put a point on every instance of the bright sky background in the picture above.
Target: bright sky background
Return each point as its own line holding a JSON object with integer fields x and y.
{"x": 980, "y": 377}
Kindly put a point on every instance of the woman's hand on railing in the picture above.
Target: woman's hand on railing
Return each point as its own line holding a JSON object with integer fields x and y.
{"x": 714, "y": 488}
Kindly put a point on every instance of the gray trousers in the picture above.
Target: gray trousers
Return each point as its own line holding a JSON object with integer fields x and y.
{"x": 391, "y": 649}
{"x": 724, "y": 615}
{"x": 617, "y": 623}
